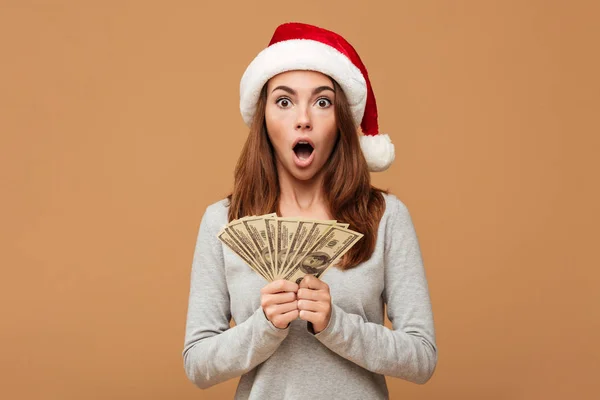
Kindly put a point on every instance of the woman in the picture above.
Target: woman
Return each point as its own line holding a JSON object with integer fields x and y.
{"x": 304, "y": 97}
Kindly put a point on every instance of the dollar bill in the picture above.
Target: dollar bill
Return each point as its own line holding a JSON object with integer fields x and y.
{"x": 256, "y": 229}
{"x": 251, "y": 254}
{"x": 315, "y": 229}
{"x": 286, "y": 229}
{"x": 226, "y": 238}
{"x": 324, "y": 253}
{"x": 241, "y": 233}
{"x": 271, "y": 224}
{"x": 286, "y": 248}
{"x": 300, "y": 234}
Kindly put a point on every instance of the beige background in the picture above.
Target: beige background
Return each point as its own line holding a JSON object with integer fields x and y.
{"x": 119, "y": 124}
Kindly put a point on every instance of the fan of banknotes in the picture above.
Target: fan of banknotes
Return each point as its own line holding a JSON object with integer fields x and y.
{"x": 288, "y": 248}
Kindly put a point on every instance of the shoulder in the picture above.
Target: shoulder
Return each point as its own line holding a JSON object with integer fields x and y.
{"x": 396, "y": 220}
{"x": 218, "y": 207}
{"x": 215, "y": 214}
{"x": 394, "y": 207}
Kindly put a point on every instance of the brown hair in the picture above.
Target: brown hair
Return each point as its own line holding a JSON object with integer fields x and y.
{"x": 350, "y": 196}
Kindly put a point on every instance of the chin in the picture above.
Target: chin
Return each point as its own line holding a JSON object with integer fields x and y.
{"x": 305, "y": 174}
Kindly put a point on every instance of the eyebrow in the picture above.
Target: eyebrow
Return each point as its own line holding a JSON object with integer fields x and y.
{"x": 293, "y": 92}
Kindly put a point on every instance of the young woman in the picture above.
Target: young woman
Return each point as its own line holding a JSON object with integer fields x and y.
{"x": 304, "y": 97}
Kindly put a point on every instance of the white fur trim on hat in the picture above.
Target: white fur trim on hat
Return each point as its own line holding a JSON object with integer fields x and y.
{"x": 378, "y": 151}
{"x": 302, "y": 54}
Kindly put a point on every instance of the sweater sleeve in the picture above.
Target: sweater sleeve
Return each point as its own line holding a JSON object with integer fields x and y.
{"x": 213, "y": 351}
{"x": 408, "y": 351}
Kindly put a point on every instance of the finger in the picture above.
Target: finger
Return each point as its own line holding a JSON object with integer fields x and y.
{"x": 277, "y": 298}
{"x": 312, "y": 294}
{"x": 280, "y": 285}
{"x": 312, "y": 282}
{"x": 310, "y": 316}
{"x": 310, "y": 305}
{"x": 283, "y": 308}
{"x": 286, "y": 318}
{"x": 303, "y": 283}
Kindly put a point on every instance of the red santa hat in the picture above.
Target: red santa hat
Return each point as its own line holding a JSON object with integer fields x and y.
{"x": 298, "y": 46}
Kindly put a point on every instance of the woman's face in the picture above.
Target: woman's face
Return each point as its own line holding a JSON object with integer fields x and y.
{"x": 300, "y": 120}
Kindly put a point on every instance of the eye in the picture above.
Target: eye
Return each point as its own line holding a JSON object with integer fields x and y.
{"x": 283, "y": 102}
{"x": 324, "y": 102}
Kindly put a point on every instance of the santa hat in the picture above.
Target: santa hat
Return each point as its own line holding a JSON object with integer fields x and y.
{"x": 298, "y": 46}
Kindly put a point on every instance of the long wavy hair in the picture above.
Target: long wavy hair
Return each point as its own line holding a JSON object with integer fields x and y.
{"x": 346, "y": 181}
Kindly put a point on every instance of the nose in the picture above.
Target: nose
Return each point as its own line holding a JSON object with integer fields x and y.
{"x": 303, "y": 120}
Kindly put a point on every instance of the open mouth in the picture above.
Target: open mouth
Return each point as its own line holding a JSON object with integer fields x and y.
{"x": 303, "y": 150}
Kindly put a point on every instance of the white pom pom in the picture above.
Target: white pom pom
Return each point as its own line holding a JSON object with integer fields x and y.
{"x": 378, "y": 150}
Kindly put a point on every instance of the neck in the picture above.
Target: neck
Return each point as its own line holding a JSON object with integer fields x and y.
{"x": 304, "y": 196}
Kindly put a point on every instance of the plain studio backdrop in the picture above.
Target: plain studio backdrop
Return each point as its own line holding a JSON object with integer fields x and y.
{"x": 119, "y": 124}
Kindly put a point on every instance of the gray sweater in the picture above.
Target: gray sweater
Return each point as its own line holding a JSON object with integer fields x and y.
{"x": 349, "y": 358}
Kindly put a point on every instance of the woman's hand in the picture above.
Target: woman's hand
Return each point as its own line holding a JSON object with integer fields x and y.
{"x": 278, "y": 301}
{"x": 314, "y": 302}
